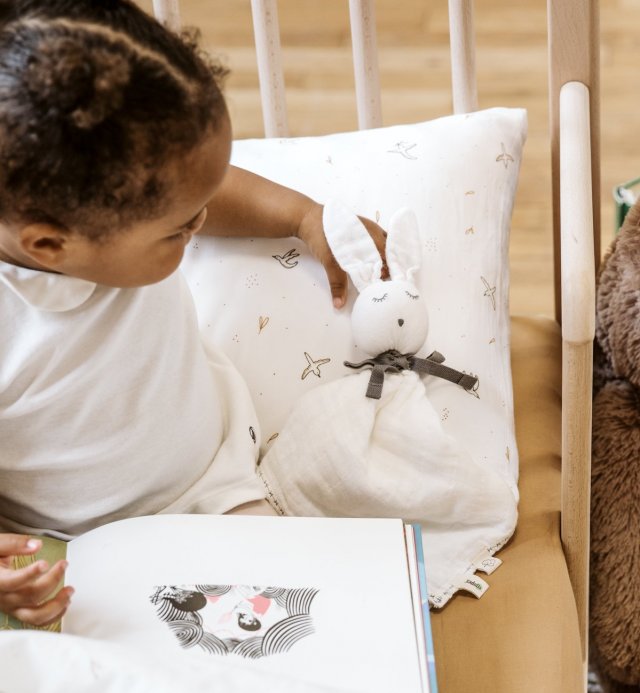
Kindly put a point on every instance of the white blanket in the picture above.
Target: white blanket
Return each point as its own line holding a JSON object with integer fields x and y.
{"x": 343, "y": 454}
{"x": 41, "y": 662}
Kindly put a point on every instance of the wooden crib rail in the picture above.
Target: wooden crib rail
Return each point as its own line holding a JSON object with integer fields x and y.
{"x": 365, "y": 63}
{"x": 578, "y": 331}
{"x": 574, "y": 55}
{"x": 574, "y": 109}
{"x": 271, "y": 76}
{"x": 365, "y": 59}
{"x": 266, "y": 31}
{"x": 168, "y": 12}
{"x": 464, "y": 86}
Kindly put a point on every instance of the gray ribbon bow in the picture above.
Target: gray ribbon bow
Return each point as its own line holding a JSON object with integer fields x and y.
{"x": 394, "y": 362}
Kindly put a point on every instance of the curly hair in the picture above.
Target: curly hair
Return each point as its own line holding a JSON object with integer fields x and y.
{"x": 96, "y": 99}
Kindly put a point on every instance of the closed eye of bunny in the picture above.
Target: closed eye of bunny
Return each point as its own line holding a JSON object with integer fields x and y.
{"x": 378, "y": 300}
{"x": 415, "y": 297}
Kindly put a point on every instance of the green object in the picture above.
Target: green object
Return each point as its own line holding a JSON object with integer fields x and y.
{"x": 625, "y": 198}
{"x": 52, "y": 550}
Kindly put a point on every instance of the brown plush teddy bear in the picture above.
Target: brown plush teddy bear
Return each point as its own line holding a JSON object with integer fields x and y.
{"x": 615, "y": 504}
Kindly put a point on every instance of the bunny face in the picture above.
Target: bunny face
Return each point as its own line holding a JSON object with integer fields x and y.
{"x": 390, "y": 315}
{"x": 387, "y": 314}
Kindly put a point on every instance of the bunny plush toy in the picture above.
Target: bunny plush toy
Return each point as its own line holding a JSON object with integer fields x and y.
{"x": 371, "y": 444}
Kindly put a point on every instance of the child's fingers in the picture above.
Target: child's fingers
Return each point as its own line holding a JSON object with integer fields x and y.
{"x": 312, "y": 233}
{"x": 37, "y": 590}
{"x": 12, "y": 580}
{"x": 337, "y": 282}
{"x": 379, "y": 237}
{"x": 18, "y": 545}
{"x": 35, "y": 577}
{"x": 46, "y": 613}
{"x": 377, "y": 233}
{"x": 338, "y": 278}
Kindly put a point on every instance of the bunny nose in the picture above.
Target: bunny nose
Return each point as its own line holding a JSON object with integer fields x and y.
{"x": 401, "y": 322}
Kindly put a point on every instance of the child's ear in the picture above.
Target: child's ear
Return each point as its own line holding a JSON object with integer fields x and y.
{"x": 44, "y": 243}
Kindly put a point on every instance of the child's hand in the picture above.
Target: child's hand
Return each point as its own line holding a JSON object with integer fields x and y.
{"x": 24, "y": 593}
{"x": 311, "y": 232}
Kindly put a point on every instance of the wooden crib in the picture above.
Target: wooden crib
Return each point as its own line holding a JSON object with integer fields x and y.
{"x": 530, "y": 631}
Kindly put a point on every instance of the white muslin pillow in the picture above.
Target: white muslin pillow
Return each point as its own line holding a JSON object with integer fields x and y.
{"x": 266, "y": 303}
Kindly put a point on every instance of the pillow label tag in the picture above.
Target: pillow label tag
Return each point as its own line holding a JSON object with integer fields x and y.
{"x": 475, "y": 585}
{"x": 488, "y": 565}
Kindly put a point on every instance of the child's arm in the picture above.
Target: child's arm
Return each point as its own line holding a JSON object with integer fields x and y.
{"x": 25, "y": 593}
{"x": 246, "y": 204}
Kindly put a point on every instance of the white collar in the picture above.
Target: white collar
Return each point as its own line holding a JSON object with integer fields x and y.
{"x": 46, "y": 290}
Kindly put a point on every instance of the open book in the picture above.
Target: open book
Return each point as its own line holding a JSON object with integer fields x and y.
{"x": 341, "y": 602}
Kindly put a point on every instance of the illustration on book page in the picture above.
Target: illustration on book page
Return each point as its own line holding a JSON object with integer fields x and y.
{"x": 252, "y": 622}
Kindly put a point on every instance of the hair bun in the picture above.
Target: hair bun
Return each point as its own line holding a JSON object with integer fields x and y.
{"x": 82, "y": 79}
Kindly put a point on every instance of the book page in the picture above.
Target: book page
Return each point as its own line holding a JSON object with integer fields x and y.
{"x": 324, "y": 599}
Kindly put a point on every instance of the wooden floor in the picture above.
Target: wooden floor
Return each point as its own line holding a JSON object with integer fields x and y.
{"x": 414, "y": 68}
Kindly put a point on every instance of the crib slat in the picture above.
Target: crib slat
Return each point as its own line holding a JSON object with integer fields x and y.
{"x": 267, "y": 38}
{"x": 365, "y": 63}
{"x": 168, "y": 13}
{"x": 463, "y": 56}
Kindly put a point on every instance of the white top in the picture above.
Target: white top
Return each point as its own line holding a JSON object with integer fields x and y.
{"x": 110, "y": 407}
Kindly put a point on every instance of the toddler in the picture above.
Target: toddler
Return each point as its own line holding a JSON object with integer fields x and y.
{"x": 114, "y": 151}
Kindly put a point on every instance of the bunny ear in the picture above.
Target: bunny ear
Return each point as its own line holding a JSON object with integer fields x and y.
{"x": 404, "y": 251}
{"x": 351, "y": 245}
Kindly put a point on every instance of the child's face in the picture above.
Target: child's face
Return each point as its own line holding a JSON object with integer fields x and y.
{"x": 149, "y": 251}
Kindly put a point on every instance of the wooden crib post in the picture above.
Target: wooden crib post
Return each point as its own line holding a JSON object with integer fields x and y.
{"x": 463, "y": 56}
{"x": 365, "y": 63}
{"x": 267, "y": 38}
{"x": 574, "y": 111}
{"x": 578, "y": 330}
{"x": 574, "y": 55}
{"x": 168, "y": 13}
